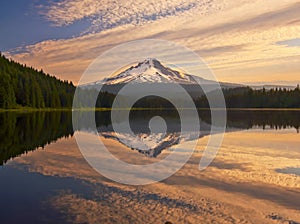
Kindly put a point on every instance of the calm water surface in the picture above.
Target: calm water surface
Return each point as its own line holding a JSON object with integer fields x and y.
{"x": 44, "y": 178}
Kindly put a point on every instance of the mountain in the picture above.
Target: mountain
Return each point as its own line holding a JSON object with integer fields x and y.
{"x": 152, "y": 144}
{"x": 149, "y": 71}
{"x": 152, "y": 71}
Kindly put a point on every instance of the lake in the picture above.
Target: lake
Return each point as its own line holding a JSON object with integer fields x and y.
{"x": 254, "y": 178}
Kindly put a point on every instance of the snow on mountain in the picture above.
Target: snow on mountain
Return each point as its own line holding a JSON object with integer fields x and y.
{"x": 152, "y": 71}
{"x": 149, "y": 71}
{"x": 152, "y": 144}
{"x": 149, "y": 145}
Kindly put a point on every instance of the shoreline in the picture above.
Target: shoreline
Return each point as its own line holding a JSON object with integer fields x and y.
{"x": 166, "y": 109}
{"x": 28, "y": 110}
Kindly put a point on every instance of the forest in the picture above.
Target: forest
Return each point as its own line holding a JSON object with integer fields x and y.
{"x": 242, "y": 97}
{"x": 246, "y": 97}
{"x": 22, "y": 86}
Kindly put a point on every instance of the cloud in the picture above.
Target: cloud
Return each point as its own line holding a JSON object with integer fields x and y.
{"x": 238, "y": 39}
{"x": 106, "y": 14}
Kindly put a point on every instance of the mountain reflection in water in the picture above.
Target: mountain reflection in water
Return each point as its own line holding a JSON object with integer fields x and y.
{"x": 23, "y": 132}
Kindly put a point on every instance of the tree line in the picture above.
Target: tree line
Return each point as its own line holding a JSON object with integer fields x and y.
{"x": 22, "y": 86}
{"x": 246, "y": 97}
{"x": 241, "y": 97}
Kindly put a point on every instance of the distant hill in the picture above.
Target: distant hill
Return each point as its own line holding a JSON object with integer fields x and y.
{"x": 22, "y": 86}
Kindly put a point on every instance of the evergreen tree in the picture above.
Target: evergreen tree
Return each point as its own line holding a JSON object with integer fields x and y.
{"x": 7, "y": 95}
{"x": 27, "y": 87}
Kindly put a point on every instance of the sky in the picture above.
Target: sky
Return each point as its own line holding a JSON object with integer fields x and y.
{"x": 242, "y": 41}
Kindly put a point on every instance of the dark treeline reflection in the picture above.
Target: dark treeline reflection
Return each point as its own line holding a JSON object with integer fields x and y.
{"x": 247, "y": 119}
{"x": 23, "y": 132}
{"x": 271, "y": 119}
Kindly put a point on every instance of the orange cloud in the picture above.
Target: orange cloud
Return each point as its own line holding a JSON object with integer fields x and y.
{"x": 238, "y": 39}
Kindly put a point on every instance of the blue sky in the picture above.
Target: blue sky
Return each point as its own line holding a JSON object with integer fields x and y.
{"x": 242, "y": 41}
{"x": 291, "y": 43}
{"x": 21, "y": 24}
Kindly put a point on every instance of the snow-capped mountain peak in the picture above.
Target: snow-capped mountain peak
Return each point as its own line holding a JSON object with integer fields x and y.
{"x": 149, "y": 71}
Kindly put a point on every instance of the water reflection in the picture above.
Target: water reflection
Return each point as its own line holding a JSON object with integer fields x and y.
{"x": 152, "y": 143}
{"x": 273, "y": 119}
{"x": 23, "y": 132}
